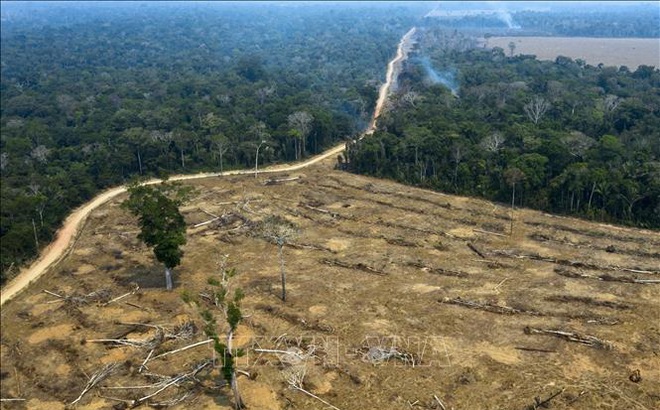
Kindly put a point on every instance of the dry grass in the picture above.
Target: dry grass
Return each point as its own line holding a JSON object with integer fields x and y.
{"x": 631, "y": 52}
{"x": 400, "y": 251}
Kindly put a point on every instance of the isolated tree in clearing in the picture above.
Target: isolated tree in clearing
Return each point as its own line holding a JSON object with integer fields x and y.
{"x": 162, "y": 225}
{"x": 230, "y": 307}
{"x": 280, "y": 231}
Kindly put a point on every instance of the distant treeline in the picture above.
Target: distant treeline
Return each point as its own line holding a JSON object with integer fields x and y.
{"x": 575, "y": 139}
{"x": 94, "y": 96}
{"x": 604, "y": 21}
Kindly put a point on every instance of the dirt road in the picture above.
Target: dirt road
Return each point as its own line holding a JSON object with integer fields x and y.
{"x": 66, "y": 236}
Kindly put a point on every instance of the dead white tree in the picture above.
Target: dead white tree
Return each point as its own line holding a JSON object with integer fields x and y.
{"x": 264, "y": 92}
{"x": 410, "y": 98}
{"x": 493, "y": 142}
{"x": 577, "y": 143}
{"x": 536, "y": 108}
{"x": 95, "y": 379}
{"x": 40, "y": 154}
{"x": 611, "y": 103}
{"x": 301, "y": 122}
{"x": 4, "y": 161}
{"x": 220, "y": 147}
{"x": 279, "y": 231}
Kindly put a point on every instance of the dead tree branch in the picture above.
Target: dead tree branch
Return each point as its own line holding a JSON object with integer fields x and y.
{"x": 95, "y": 379}
{"x": 488, "y": 307}
{"x": 358, "y": 266}
{"x": 588, "y": 340}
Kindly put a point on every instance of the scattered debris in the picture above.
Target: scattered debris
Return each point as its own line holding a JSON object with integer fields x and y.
{"x": 378, "y": 354}
{"x": 588, "y": 301}
{"x": 357, "y": 266}
{"x": 588, "y": 340}
{"x": 534, "y": 349}
{"x": 503, "y": 310}
{"x": 538, "y": 403}
{"x": 276, "y": 181}
{"x": 476, "y": 250}
{"x": 95, "y": 379}
{"x": 565, "y": 262}
{"x": 635, "y": 376}
{"x": 604, "y": 277}
{"x": 101, "y": 296}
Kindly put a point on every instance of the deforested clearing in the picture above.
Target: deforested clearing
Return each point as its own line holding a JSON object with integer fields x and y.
{"x": 629, "y": 52}
{"x": 396, "y": 296}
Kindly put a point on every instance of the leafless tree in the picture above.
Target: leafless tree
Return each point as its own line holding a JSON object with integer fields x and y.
{"x": 264, "y": 92}
{"x": 40, "y": 153}
{"x": 221, "y": 146}
{"x": 577, "y": 143}
{"x": 279, "y": 231}
{"x": 513, "y": 176}
{"x": 224, "y": 99}
{"x": 611, "y": 103}
{"x": 301, "y": 121}
{"x": 410, "y": 98}
{"x": 536, "y": 108}
{"x": 457, "y": 156}
{"x": 493, "y": 143}
{"x": 4, "y": 161}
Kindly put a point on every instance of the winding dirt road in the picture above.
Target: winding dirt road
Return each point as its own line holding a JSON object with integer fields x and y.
{"x": 66, "y": 236}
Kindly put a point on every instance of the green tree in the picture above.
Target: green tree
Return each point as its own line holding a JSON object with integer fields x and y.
{"x": 162, "y": 225}
{"x": 231, "y": 310}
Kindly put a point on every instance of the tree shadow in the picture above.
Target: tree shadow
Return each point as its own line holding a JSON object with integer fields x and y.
{"x": 147, "y": 277}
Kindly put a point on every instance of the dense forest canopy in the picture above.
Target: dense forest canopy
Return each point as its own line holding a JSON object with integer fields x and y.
{"x": 93, "y": 94}
{"x": 96, "y": 93}
{"x": 574, "y": 138}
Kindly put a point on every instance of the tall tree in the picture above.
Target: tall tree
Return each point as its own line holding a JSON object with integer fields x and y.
{"x": 513, "y": 176}
{"x": 279, "y": 231}
{"x": 536, "y": 108}
{"x": 301, "y": 122}
{"x": 161, "y": 224}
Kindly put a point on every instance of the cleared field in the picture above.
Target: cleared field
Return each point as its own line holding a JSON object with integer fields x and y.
{"x": 631, "y": 52}
{"x": 395, "y": 295}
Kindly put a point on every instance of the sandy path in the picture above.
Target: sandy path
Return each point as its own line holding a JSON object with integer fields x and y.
{"x": 66, "y": 236}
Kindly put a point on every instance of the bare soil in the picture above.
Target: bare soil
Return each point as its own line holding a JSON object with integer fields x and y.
{"x": 631, "y": 52}
{"x": 377, "y": 267}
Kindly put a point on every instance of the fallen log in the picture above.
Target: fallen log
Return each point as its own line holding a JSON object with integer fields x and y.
{"x": 538, "y": 403}
{"x": 534, "y": 349}
{"x": 570, "y": 263}
{"x": 475, "y": 250}
{"x": 588, "y": 340}
{"x": 488, "y": 307}
{"x": 274, "y": 181}
{"x": 604, "y": 277}
{"x": 489, "y": 232}
{"x": 321, "y": 210}
{"x": 357, "y": 266}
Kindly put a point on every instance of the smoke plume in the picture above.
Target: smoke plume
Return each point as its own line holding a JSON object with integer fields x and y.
{"x": 446, "y": 77}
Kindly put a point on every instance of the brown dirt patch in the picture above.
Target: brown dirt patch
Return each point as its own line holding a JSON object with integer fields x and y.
{"x": 336, "y": 312}
{"x": 630, "y": 52}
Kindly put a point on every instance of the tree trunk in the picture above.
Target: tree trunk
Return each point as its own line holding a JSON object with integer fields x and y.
{"x": 283, "y": 273}
{"x": 513, "y": 201}
{"x": 238, "y": 401}
{"x": 36, "y": 238}
{"x": 139, "y": 161}
{"x": 183, "y": 161}
{"x": 168, "y": 278}
{"x": 220, "y": 161}
{"x": 591, "y": 195}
